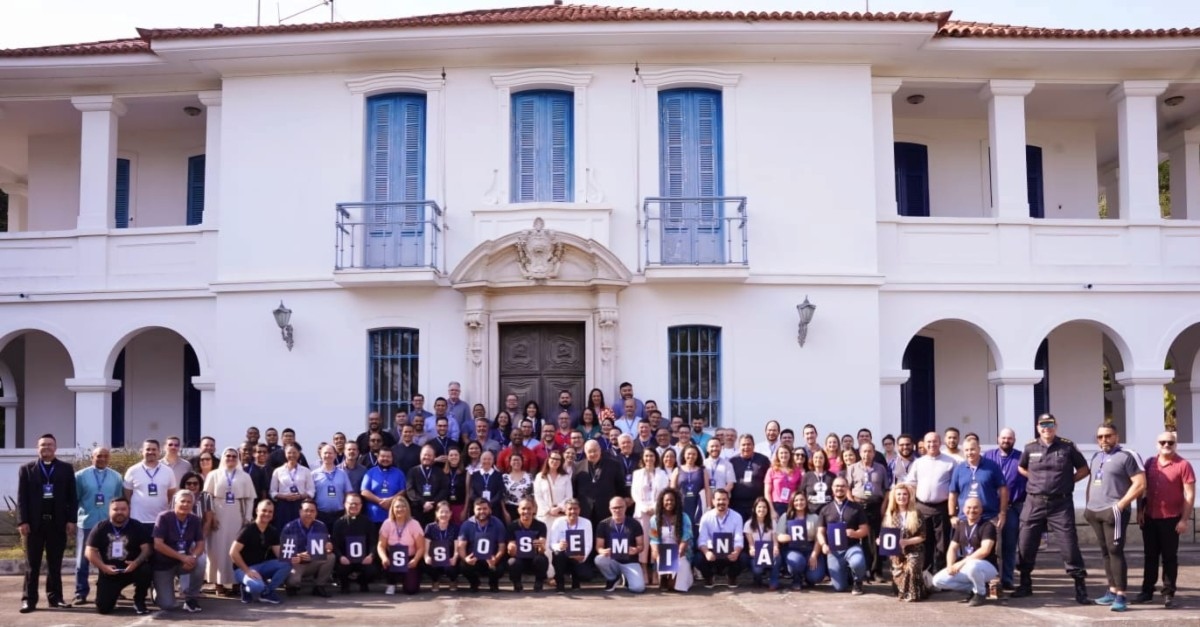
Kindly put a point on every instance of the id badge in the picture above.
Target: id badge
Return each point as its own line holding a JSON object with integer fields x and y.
{"x": 181, "y": 546}
{"x": 294, "y": 490}
{"x": 427, "y": 491}
{"x": 785, "y": 494}
{"x": 99, "y": 500}
{"x": 486, "y": 495}
{"x": 748, "y": 476}
{"x": 868, "y": 489}
{"x": 47, "y": 490}
{"x": 228, "y": 498}
{"x": 331, "y": 490}
{"x": 384, "y": 489}
{"x": 152, "y": 489}
{"x": 116, "y": 550}
{"x": 628, "y": 480}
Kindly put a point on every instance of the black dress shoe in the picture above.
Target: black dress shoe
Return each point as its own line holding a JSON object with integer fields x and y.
{"x": 967, "y": 599}
{"x": 319, "y": 591}
{"x": 27, "y": 607}
{"x": 292, "y": 590}
{"x": 1142, "y": 597}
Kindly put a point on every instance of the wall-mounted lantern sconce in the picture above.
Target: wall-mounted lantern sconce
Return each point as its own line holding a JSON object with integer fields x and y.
{"x": 805, "y": 310}
{"x": 283, "y": 318}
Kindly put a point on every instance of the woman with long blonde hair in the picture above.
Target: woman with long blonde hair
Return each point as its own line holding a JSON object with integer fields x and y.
{"x": 908, "y": 566}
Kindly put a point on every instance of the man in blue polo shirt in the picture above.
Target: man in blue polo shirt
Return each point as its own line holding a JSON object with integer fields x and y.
{"x": 332, "y": 483}
{"x": 380, "y": 485}
{"x": 96, "y": 487}
{"x": 981, "y": 478}
{"x": 481, "y": 547}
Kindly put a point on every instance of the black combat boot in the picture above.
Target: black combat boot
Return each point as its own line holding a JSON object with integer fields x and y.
{"x": 1081, "y": 595}
{"x": 1024, "y": 588}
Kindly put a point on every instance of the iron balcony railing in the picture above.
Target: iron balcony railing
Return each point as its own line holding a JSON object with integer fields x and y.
{"x": 696, "y": 231}
{"x": 391, "y": 234}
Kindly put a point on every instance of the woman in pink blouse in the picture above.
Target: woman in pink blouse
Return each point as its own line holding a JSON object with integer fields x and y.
{"x": 400, "y": 530}
{"x": 783, "y": 479}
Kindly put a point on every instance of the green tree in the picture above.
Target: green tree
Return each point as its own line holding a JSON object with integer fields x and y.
{"x": 1164, "y": 188}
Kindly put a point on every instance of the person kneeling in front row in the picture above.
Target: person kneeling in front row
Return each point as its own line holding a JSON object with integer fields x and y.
{"x": 121, "y": 552}
{"x": 619, "y": 541}
{"x": 971, "y": 559}
{"x": 256, "y": 560}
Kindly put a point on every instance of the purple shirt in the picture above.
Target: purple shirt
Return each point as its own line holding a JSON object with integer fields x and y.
{"x": 1008, "y": 466}
{"x": 181, "y": 536}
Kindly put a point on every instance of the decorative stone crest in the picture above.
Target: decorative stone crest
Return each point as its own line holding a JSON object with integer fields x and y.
{"x": 539, "y": 252}
{"x": 474, "y": 320}
{"x": 606, "y": 320}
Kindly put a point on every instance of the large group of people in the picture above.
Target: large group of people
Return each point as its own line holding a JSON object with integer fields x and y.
{"x": 584, "y": 491}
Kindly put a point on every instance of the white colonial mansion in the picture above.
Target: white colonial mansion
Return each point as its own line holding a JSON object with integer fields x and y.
{"x": 563, "y": 196}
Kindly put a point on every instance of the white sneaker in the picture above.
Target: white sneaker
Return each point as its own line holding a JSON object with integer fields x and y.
{"x": 390, "y": 590}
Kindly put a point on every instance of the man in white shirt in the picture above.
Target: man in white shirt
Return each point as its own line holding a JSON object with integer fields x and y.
{"x": 770, "y": 441}
{"x": 721, "y": 541}
{"x": 720, "y": 471}
{"x": 172, "y": 459}
{"x": 931, "y": 474}
{"x": 729, "y": 447}
{"x": 570, "y": 538}
{"x": 629, "y": 418}
{"x": 149, "y": 486}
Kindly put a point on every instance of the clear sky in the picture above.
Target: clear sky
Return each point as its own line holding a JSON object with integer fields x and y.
{"x": 42, "y": 22}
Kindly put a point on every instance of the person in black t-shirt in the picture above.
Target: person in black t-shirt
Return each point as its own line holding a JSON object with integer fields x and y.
{"x": 121, "y": 552}
{"x": 847, "y": 565}
{"x": 255, "y": 556}
{"x": 971, "y": 560}
{"x": 527, "y": 546}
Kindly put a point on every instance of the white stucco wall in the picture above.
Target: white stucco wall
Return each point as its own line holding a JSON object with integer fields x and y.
{"x": 45, "y": 396}
{"x": 963, "y": 396}
{"x": 958, "y": 166}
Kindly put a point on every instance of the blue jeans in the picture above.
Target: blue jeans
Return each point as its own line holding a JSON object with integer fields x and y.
{"x": 797, "y": 563}
{"x": 81, "y": 564}
{"x": 841, "y": 565}
{"x": 759, "y": 569}
{"x": 274, "y": 573}
{"x": 1008, "y": 541}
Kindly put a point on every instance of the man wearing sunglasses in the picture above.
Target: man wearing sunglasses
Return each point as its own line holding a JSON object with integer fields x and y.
{"x": 1163, "y": 513}
{"x": 1053, "y": 465}
{"x": 1117, "y": 481}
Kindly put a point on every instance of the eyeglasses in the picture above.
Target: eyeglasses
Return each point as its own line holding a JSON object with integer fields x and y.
{"x": 1166, "y": 443}
{"x": 1047, "y": 425}
{"x": 231, "y": 457}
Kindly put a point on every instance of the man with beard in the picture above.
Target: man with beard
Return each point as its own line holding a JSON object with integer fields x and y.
{"x": 749, "y": 475}
{"x": 1009, "y": 459}
{"x": 374, "y": 425}
{"x": 121, "y": 553}
{"x": 1117, "y": 481}
{"x": 565, "y": 404}
{"x": 46, "y": 514}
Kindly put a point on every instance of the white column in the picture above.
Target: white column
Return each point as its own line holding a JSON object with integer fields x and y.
{"x": 212, "y": 157}
{"x": 207, "y": 384}
{"x": 93, "y": 410}
{"x": 8, "y": 405}
{"x": 1014, "y": 398}
{"x": 478, "y": 320}
{"x": 1185, "y": 176}
{"x": 882, "y": 90}
{"x": 1144, "y": 409}
{"x": 1006, "y": 136}
{"x": 890, "y": 385}
{"x": 97, "y": 160}
{"x": 1137, "y": 135}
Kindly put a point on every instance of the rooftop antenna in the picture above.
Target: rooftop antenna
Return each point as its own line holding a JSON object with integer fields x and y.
{"x": 320, "y": 4}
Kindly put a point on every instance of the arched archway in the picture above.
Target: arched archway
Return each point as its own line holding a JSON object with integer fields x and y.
{"x": 1083, "y": 358}
{"x": 34, "y": 368}
{"x": 948, "y": 362}
{"x": 1183, "y": 394}
{"x": 155, "y": 366}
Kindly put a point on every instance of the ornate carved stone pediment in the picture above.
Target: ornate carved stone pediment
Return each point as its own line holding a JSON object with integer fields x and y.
{"x": 539, "y": 252}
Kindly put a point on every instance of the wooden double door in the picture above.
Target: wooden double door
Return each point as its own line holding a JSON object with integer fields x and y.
{"x": 540, "y": 360}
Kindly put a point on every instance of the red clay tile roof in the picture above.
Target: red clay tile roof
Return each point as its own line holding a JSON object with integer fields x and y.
{"x": 557, "y": 14}
{"x": 112, "y": 46}
{"x": 548, "y": 14}
{"x": 955, "y": 29}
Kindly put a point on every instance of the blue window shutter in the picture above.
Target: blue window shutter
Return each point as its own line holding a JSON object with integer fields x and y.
{"x": 1033, "y": 175}
{"x": 912, "y": 179}
{"x": 524, "y": 153}
{"x": 690, "y": 162}
{"x": 672, "y": 177}
{"x": 542, "y": 159}
{"x": 394, "y": 173}
{"x": 561, "y": 175}
{"x": 121, "y": 217}
{"x": 708, "y": 152}
{"x": 195, "y": 190}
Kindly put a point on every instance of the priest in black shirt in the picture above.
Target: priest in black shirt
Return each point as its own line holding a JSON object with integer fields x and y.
{"x": 121, "y": 552}
{"x": 426, "y": 486}
{"x": 353, "y": 538}
{"x": 596, "y": 481}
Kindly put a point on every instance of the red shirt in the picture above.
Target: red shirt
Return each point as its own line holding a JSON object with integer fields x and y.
{"x": 1164, "y": 486}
